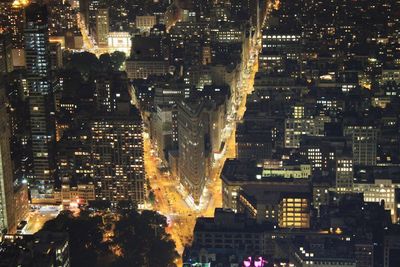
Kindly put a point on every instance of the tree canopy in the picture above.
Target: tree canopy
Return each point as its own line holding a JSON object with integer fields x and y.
{"x": 139, "y": 239}
{"x": 87, "y": 63}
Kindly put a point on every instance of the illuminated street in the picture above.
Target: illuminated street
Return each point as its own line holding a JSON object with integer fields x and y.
{"x": 88, "y": 43}
{"x": 37, "y": 218}
{"x": 169, "y": 201}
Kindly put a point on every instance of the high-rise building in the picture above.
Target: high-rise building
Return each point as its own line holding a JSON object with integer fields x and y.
{"x": 164, "y": 130}
{"x": 102, "y": 26}
{"x": 296, "y": 128}
{"x": 193, "y": 156}
{"x": 55, "y": 55}
{"x": 344, "y": 174}
{"x": 117, "y": 151}
{"x": 39, "y": 86}
{"x": 93, "y": 6}
{"x": 365, "y": 143}
{"x": 37, "y": 49}
{"x": 6, "y": 64}
{"x": 17, "y": 20}
{"x": 111, "y": 90}
{"x": 7, "y": 220}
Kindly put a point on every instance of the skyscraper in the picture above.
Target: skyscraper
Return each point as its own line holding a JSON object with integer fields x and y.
{"x": 102, "y": 26}
{"x": 193, "y": 161}
{"x": 365, "y": 144}
{"x": 7, "y": 219}
{"x": 117, "y": 151}
{"x": 37, "y": 49}
{"x": 344, "y": 174}
{"x": 5, "y": 54}
{"x": 42, "y": 126}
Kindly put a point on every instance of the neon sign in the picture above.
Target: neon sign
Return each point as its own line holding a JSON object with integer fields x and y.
{"x": 256, "y": 262}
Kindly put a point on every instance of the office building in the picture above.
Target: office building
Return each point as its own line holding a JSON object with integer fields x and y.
{"x": 6, "y": 63}
{"x": 102, "y": 27}
{"x": 391, "y": 251}
{"x": 56, "y": 60}
{"x": 164, "y": 130}
{"x": 38, "y": 78}
{"x": 117, "y": 152}
{"x": 45, "y": 249}
{"x": 284, "y": 206}
{"x": 141, "y": 69}
{"x": 237, "y": 173}
{"x": 344, "y": 174}
{"x": 16, "y": 21}
{"x": 7, "y": 211}
{"x": 296, "y": 128}
{"x": 365, "y": 145}
{"x": 193, "y": 155}
{"x": 145, "y": 23}
{"x": 380, "y": 185}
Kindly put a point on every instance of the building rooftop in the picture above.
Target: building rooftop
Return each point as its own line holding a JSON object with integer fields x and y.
{"x": 251, "y": 170}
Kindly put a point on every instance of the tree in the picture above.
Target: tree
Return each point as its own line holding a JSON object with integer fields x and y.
{"x": 139, "y": 239}
{"x": 84, "y": 62}
{"x": 152, "y": 196}
{"x": 144, "y": 241}
{"x": 106, "y": 62}
{"x": 118, "y": 59}
{"x": 85, "y": 237}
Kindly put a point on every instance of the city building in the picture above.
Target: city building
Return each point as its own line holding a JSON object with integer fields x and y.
{"x": 255, "y": 137}
{"x": 102, "y": 27}
{"x": 344, "y": 174}
{"x": 164, "y": 130}
{"x": 145, "y": 23}
{"x": 6, "y": 62}
{"x": 391, "y": 248}
{"x": 117, "y": 153}
{"x": 284, "y": 206}
{"x": 237, "y": 173}
{"x": 193, "y": 125}
{"x": 318, "y": 253}
{"x": 379, "y": 184}
{"x": 119, "y": 41}
{"x": 56, "y": 60}
{"x": 364, "y": 144}
{"x": 39, "y": 85}
{"x": 229, "y": 239}
{"x": 43, "y": 249}
{"x": 76, "y": 195}
{"x": 296, "y": 128}
{"x": 7, "y": 210}
{"x": 141, "y": 69}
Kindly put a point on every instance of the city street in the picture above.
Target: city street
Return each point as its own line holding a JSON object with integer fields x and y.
{"x": 168, "y": 200}
{"x": 88, "y": 43}
{"x": 38, "y": 217}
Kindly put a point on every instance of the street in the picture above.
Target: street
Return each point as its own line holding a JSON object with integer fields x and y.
{"x": 38, "y": 217}
{"x": 169, "y": 201}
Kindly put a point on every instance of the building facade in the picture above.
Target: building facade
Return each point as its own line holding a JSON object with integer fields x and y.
{"x": 118, "y": 164}
{"x": 38, "y": 78}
